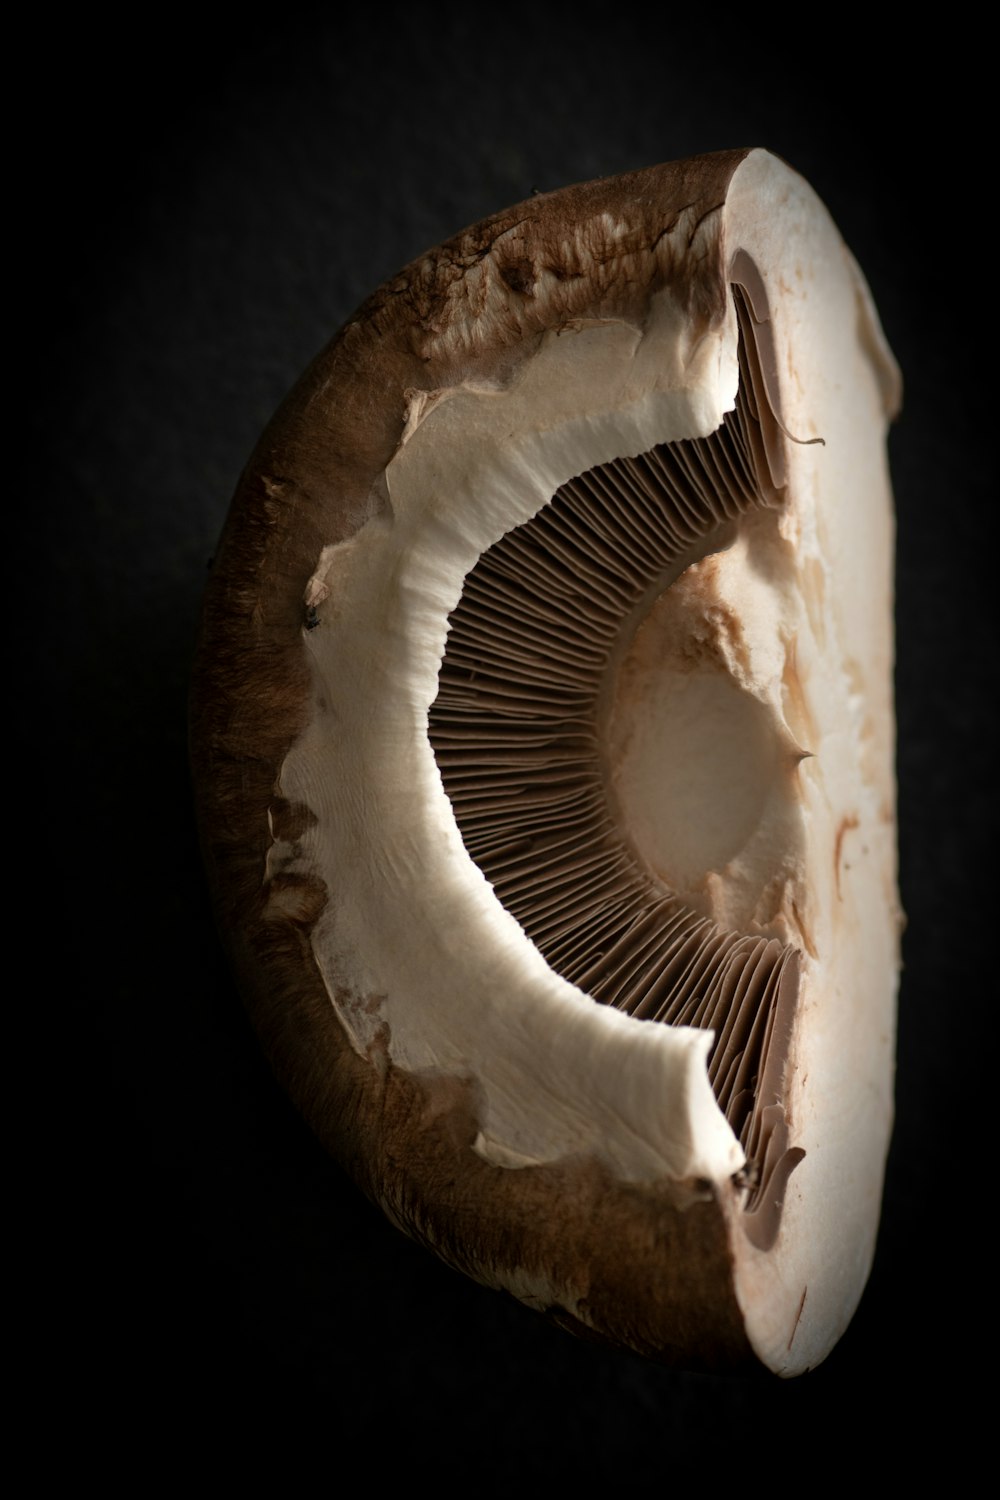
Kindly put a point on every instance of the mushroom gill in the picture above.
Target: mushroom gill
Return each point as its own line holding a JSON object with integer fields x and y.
{"x": 521, "y": 733}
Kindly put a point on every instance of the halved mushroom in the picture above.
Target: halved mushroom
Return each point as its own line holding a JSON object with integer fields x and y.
{"x": 543, "y": 737}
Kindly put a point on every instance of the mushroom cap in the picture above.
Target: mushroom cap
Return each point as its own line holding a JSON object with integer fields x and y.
{"x": 561, "y": 1148}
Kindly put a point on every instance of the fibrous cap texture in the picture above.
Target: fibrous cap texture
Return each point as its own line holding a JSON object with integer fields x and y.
{"x": 543, "y": 735}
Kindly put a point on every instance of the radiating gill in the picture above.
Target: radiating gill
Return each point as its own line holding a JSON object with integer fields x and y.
{"x": 528, "y": 709}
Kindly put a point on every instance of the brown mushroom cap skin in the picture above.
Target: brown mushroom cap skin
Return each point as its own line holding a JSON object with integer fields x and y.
{"x": 647, "y": 1266}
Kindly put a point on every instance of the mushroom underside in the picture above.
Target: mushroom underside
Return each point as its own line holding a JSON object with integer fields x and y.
{"x": 543, "y": 739}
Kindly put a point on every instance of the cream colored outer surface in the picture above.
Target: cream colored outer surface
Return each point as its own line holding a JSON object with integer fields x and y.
{"x": 441, "y": 974}
{"x": 839, "y": 383}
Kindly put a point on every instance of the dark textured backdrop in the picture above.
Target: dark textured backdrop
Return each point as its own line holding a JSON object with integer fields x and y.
{"x": 206, "y": 212}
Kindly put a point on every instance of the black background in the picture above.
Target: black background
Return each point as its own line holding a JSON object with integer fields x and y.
{"x": 202, "y": 210}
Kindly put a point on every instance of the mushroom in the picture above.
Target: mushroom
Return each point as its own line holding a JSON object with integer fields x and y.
{"x": 543, "y": 740}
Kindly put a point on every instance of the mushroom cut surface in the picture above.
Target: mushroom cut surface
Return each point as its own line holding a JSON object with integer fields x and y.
{"x": 543, "y": 737}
